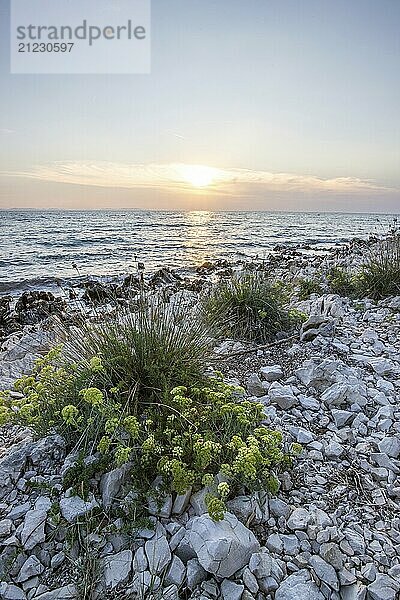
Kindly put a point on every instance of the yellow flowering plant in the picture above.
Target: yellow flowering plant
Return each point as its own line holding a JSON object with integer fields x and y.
{"x": 190, "y": 437}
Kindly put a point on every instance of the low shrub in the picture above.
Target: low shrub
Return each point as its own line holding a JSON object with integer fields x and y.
{"x": 55, "y": 398}
{"x": 377, "y": 278}
{"x": 248, "y": 307}
{"x": 187, "y": 438}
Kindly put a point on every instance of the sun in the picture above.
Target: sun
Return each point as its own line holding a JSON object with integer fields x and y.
{"x": 198, "y": 176}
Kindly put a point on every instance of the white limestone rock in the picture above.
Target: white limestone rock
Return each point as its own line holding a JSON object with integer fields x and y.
{"x": 384, "y": 588}
{"x": 140, "y": 563}
{"x": 324, "y": 571}
{"x": 316, "y": 325}
{"x": 356, "y": 541}
{"x": 181, "y": 502}
{"x": 198, "y": 501}
{"x": 231, "y": 590}
{"x": 298, "y": 586}
{"x": 332, "y": 554}
{"x": 111, "y": 482}
{"x": 390, "y": 446}
{"x": 255, "y": 386}
{"x": 67, "y": 592}
{"x": 282, "y": 396}
{"x": 176, "y": 572}
{"x": 272, "y": 373}
{"x": 8, "y": 591}
{"x": 299, "y": 519}
{"x": 12, "y": 465}
{"x": 33, "y": 531}
{"x": 333, "y": 450}
{"x": 117, "y": 568}
{"x": 6, "y": 526}
{"x": 304, "y": 436}
{"x": 319, "y": 517}
{"x": 355, "y": 591}
{"x": 73, "y": 507}
{"x": 222, "y": 547}
{"x": 250, "y": 581}
{"x": 278, "y": 507}
{"x": 342, "y": 417}
{"x": 337, "y": 394}
{"x": 31, "y": 568}
{"x": 381, "y": 366}
{"x": 244, "y": 508}
{"x": 318, "y": 375}
{"x": 261, "y": 565}
{"x": 158, "y": 552}
{"x": 195, "y": 573}
{"x": 274, "y": 543}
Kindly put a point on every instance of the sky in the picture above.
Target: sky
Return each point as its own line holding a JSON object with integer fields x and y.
{"x": 256, "y": 104}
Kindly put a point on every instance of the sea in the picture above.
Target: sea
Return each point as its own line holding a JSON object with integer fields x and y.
{"x": 43, "y": 249}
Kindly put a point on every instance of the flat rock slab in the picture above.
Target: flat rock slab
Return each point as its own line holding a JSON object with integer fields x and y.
{"x": 67, "y": 592}
{"x": 74, "y": 507}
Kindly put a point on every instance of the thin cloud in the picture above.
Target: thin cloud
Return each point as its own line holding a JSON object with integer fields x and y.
{"x": 175, "y": 134}
{"x": 183, "y": 177}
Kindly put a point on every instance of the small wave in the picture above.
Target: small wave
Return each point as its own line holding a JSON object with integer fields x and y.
{"x": 35, "y": 283}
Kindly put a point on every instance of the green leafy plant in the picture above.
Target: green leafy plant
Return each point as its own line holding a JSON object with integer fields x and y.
{"x": 342, "y": 282}
{"x": 297, "y": 316}
{"x": 187, "y": 437}
{"x": 54, "y": 397}
{"x": 308, "y": 287}
{"x": 248, "y": 306}
{"x": 211, "y": 432}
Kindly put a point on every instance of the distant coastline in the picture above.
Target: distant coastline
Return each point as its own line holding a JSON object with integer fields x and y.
{"x": 162, "y": 210}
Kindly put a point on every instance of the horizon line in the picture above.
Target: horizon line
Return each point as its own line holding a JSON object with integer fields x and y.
{"x": 163, "y": 210}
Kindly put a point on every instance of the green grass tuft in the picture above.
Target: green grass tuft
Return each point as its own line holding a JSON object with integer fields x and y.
{"x": 149, "y": 350}
{"x": 380, "y": 275}
{"x": 248, "y": 307}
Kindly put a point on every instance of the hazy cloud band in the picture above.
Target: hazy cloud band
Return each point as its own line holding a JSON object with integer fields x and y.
{"x": 184, "y": 177}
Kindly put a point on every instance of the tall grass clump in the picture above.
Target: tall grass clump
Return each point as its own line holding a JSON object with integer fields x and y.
{"x": 248, "y": 307}
{"x": 150, "y": 349}
{"x": 380, "y": 274}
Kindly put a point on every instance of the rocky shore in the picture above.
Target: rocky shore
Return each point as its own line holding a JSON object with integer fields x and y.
{"x": 331, "y": 532}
